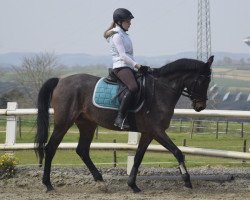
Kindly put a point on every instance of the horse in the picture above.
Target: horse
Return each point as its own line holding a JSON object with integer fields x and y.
{"x": 71, "y": 98}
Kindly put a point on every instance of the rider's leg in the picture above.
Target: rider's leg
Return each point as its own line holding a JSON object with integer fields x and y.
{"x": 126, "y": 76}
{"x": 124, "y": 106}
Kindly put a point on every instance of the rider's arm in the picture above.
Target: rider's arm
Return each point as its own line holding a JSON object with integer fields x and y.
{"x": 117, "y": 40}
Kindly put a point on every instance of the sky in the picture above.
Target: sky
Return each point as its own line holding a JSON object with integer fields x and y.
{"x": 160, "y": 27}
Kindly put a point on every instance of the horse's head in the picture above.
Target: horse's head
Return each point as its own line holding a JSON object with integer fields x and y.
{"x": 197, "y": 86}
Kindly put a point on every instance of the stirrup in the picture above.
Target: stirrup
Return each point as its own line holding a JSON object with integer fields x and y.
{"x": 122, "y": 125}
{"x": 125, "y": 125}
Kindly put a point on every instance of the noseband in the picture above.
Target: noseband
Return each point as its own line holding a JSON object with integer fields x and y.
{"x": 194, "y": 96}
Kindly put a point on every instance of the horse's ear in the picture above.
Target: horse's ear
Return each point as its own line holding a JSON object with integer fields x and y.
{"x": 210, "y": 61}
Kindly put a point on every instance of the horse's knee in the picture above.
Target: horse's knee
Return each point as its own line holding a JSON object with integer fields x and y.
{"x": 79, "y": 151}
{"x": 82, "y": 152}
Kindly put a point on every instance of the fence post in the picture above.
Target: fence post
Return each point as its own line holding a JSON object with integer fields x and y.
{"x": 244, "y": 149}
{"x": 192, "y": 131}
{"x": 184, "y": 142}
{"x": 11, "y": 125}
{"x": 217, "y": 129}
{"x": 114, "y": 155}
{"x": 133, "y": 138}
{"x": 226, "y": 126}
{"x": 242, "y": 130}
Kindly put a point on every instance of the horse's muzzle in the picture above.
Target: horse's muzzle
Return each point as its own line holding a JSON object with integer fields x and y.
{"x": 199, "y": 106}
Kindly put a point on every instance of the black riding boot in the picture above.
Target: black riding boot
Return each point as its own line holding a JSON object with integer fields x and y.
{"x": 120, "y": 119}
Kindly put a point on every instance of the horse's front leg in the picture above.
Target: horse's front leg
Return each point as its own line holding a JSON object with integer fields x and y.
{"x": 165, "y": 141}
{"x": 142, "y": 147}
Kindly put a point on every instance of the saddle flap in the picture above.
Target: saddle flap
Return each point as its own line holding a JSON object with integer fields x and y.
{"x": 106, "y": 94}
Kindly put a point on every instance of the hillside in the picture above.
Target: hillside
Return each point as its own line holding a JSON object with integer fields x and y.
{"x": 13, "y": 58}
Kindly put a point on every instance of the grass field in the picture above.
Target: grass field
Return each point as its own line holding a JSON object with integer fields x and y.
{"x": 231, "y": 141}
{"x": 232, "y": 79}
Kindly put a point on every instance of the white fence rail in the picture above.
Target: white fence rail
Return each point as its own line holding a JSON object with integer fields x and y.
{"x": 12, "y": 112}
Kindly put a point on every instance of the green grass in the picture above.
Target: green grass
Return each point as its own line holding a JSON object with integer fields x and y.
{"x": 105, "y": 158}
{"x": 230, "y": 141}
{"x": 223, "y": 82}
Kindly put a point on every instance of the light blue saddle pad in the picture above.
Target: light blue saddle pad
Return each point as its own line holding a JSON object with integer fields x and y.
{"x": 105, "y": 95}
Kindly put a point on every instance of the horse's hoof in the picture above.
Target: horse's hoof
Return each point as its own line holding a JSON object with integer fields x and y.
{"x": 50, "y": 188}
{"x": 102, "y": 186}
{"x": 188, "y": 185}
{"x": 186, "y": 178}
{"x": 134, "y": 188}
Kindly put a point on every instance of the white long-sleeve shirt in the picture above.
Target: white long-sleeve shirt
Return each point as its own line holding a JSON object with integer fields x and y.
{"x": 121, "y": 49}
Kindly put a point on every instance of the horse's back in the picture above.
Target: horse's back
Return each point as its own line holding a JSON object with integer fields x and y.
{"x": 80, "y": 77}
{"x": 77, "y": 84}
{"x": 78, "y": 80}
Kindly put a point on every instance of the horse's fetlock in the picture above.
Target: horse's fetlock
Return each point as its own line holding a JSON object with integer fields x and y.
{"x": 131, "y": 181}
{"x": 183, "y": 169}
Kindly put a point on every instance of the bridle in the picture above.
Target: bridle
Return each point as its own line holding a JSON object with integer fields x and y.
{"x": 191, "y": 94}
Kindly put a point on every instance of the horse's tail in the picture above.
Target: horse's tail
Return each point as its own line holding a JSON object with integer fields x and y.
{"x": 43, "y": 104}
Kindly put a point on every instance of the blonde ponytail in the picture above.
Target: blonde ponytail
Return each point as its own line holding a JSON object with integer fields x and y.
{"x": 108, "y": 32}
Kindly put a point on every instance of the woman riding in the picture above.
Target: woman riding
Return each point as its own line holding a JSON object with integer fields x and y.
{"x": 123, "y": 61}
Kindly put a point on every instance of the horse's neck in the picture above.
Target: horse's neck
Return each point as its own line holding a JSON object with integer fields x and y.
{"x": 174, "y": 84}
{"x": 175, "y": 81}
{"x": 171, "y": 88}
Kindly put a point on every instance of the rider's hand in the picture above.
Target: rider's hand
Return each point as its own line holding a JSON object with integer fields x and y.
{"x": 145, "y": 69}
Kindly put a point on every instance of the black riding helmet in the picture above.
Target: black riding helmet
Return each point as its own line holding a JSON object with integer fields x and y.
{"x": 121, "y": 14}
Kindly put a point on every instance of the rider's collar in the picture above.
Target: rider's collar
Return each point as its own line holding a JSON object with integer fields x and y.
{"x": 119, "y": 29}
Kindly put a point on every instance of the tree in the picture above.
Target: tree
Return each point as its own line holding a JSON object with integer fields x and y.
{"x": 34, "y": 71}
{"x": 12, "y": 95}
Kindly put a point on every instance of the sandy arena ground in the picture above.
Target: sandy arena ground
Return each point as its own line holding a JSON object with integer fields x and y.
{"x": 77, "y": 183}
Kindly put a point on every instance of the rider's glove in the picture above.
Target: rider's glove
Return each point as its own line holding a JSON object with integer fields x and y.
{"x": 145, "y": 69}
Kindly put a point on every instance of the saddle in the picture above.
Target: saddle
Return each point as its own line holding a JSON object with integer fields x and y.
{"x": 110, "y": 90}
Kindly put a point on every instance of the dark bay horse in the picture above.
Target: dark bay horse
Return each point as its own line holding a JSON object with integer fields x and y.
{"x": 71, "y": 98}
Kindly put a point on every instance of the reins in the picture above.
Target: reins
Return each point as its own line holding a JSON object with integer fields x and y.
{"x": 195, "y": 97}
{"x": 152, "y": 93}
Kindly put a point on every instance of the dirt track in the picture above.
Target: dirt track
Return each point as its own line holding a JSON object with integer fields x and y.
{"x": 76, "y": 183}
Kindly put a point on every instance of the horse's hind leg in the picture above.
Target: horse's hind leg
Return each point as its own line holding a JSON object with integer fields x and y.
{"x": 142, "y": 147}
{"x": 165, "y": 141}
{"x": 50, "y": 150}
{"x": 87, "y": 130}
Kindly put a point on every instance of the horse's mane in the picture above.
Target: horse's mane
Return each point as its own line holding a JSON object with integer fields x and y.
{"x": 182, "y": 65}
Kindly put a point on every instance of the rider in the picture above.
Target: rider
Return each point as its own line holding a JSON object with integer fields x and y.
{"x": 123, "y": 60}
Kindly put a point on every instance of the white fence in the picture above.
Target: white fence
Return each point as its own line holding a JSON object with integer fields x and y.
{"x": 12, "y": 112}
